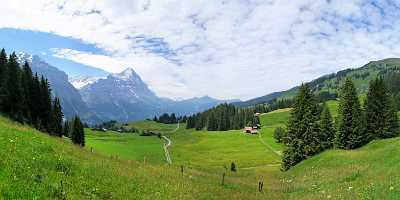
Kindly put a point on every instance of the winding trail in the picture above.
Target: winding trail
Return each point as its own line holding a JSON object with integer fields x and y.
{"x": 167, "y": 144}
{"x": 267, "y": 145}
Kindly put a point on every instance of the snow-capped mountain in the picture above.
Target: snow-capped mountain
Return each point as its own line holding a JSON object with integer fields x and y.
{"x": 71, "y": 100}
{"x": 122, "y": 96}
{"x": 125, "y": 97}
{"x": 80, "y": 81}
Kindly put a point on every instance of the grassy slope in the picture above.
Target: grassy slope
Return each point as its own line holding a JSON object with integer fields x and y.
{"x": 32, "y": 158}
{"x": 371, "y": 172}
{"x": 34, "y": 164}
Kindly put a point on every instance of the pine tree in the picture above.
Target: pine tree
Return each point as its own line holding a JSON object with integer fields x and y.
{"x": 3, "y": 79}
{"x": 211, "y": 122}
{"x": 45, "y": 113}
{"x": 57, "y": 117}
{"x": 327, "y": 128}
{"x": 27, "y": 85}
{"x": 66, "y": 129}
{"x": 303, "y": 132}
{"x": 380, "y": 111}
{"x": 36, "y": 104}
{"x": 78, "y": 135}
{"x": 14, "y": 101}
{"x": 351, "y": 131}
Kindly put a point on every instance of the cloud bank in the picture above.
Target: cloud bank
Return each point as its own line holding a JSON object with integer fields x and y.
{"x": 225, "y": 49}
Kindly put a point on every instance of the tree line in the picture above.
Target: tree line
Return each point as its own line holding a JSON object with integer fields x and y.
{"x": 392, "y": 80}
{"x": 311, "y": 129}
{"x": 166, "y": 118}
{"x": 222, "y": 118}
{"x": 27, "y": 98}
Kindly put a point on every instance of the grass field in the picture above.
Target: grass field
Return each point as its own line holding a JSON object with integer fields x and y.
{"x": 126, "y": 145}
{"x": 53, "y": 168}
{"x": 37, "y": 166}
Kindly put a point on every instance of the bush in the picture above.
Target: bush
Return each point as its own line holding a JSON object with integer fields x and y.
{"x": 233, "y": 167}
{"x": 279, "y": 134}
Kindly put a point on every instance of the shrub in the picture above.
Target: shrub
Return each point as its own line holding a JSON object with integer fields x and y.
{"x": 233, "y": 167}
{"x": 279, "y": 134}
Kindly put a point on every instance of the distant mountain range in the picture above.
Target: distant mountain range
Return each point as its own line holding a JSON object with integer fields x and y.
{"x": 122, "y": 97}
{"x": 331, "y": 83}
{"x": 126, "y": 97}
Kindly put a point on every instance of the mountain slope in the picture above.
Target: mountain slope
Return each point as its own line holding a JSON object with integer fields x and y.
{"x": 126, "y": 97}
{"x": 71, "y": 100}
{"x": 121, "y": 97}
{"x": 330, "y": 84}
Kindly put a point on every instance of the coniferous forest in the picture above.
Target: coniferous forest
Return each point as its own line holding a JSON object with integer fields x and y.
{"x": 222, "y": 118}
{"x": 26, "y": 97}
{"x": 311, "y": 129}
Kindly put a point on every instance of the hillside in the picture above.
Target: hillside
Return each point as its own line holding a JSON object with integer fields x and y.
{"x": 55, "y": 169}
{"x": 33, "y": 158}
{"x": 331, "y": 83}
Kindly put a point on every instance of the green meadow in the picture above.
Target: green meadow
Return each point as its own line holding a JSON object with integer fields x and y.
{"x": 129, "y": 166}
{"x": 126, "y": 146}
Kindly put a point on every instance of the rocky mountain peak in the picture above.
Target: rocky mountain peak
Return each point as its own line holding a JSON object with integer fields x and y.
{"x": 127, "y": 74}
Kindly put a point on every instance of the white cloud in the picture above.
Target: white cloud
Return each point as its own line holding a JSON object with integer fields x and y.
{"x": 226, "y": 49}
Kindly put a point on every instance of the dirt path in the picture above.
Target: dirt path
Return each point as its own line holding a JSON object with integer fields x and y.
{"x": 261, "y": 166}
{"x": 168, "y": 144}
{"x": 268, "y": 146}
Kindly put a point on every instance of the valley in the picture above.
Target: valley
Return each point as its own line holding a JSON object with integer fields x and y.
{"x": 139, "y": 170}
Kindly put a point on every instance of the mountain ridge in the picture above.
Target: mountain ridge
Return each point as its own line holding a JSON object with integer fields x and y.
{"x": 331, "y": 83}
{"x": 126, "y": 97}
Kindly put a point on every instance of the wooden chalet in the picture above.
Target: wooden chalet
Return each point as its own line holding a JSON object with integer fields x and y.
{"x": 250, "y": 130}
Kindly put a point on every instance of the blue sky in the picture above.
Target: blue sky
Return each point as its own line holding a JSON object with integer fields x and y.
{"x": 224, "y": 49}
{"x": 41, "y": 43}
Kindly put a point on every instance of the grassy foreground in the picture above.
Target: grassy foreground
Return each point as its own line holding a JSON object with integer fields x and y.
{"x": 36, "y": 166}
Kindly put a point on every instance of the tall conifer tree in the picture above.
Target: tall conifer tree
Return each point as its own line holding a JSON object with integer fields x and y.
{"x": 351, "y": 131}
{"x": 303, "y": 131}
{"x": 14, "y": 94}
{"x": 327, "y": 128}
{"x": 77, "y": 134}
{"x": 380, "y": 111}
{"x": 57, "y": 117}
{"x": 3, "y": 78}
{"x": 66, "y": 129}
{"x": 27, "y": 85}
{"x": 46, "y": 108}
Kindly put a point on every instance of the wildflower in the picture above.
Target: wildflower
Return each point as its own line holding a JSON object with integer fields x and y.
{"x": 391, "y": 188}
{"x": 350, "y": 188}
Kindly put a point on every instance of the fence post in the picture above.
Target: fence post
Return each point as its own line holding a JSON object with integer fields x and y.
{"x": 260, "y": 186}
{"x": 223, "y": 179}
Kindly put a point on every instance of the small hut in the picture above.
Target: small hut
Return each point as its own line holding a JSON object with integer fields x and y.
{"x": 250, "y": 130}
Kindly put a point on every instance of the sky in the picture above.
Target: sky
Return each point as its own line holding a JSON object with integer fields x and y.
{"x": 227, "y": 49}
